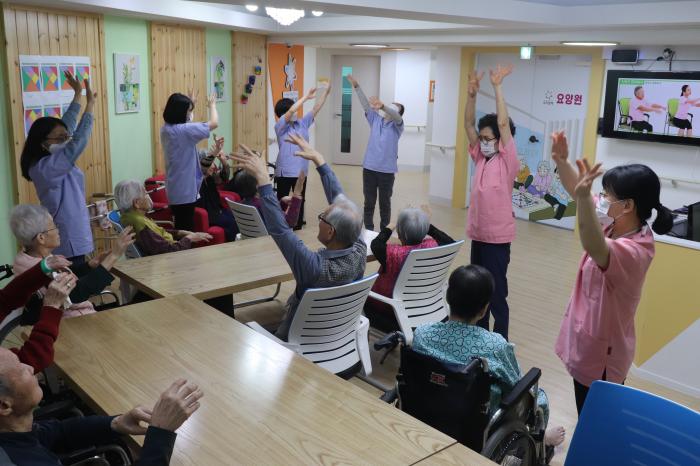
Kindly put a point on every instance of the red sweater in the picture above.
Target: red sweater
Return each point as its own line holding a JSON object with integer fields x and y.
{"x": 37, "y": 351}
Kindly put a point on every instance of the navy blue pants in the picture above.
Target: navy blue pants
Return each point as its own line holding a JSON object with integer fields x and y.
{"x": 495, "y": 258}
{"x": 228, "y": 223}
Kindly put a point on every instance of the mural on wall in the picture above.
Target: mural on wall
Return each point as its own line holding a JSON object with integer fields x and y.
{"x": 127, "y": 81}
{"x": 286, "y": 72}
{"x": 45, "y": 90}
{"x": 544, "y": 95}
{"x": 217, "y": 68}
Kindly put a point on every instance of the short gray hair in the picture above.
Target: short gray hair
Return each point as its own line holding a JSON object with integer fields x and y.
{"x": 412, "y": 225}
{"x": 27, "y": 221}
{"x": 126, "y": 192}
{"x": 346, "y": 219}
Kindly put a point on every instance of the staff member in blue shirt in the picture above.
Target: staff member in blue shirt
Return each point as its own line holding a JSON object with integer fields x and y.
{"x": 179, "y": 137}
{"x": 381, "y": 157}
{"x": 288, "y": 166}
{"x": 48, "y": 159}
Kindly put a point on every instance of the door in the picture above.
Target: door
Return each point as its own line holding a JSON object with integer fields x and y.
{"x": 350, "y": 127}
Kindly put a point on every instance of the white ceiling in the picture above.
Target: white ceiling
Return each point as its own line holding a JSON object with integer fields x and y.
{"x": 430, "y": 23}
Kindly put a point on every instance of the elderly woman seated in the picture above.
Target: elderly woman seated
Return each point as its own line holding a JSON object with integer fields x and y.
{"x": 247, "y": 187}
{"x": 134, "y": 203}
{"x": 460, "y": 339}
{"x": 415, "y": 232}
{"x": 344, "y": 257}
{"x": 38, "y": 235}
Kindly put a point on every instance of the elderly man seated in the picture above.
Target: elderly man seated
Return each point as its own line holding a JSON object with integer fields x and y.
{"x": 134, "y": 203}
{"x": 22, "y": 441}
{"x": 344, "y": 257}
{"x": 37, "y": 351}
{"x": 415, "y": 231}
{"x": 36, "y": 232}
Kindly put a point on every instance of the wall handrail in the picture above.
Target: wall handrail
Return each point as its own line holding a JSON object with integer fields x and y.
{"x": 443, "y": 148}
{"x": 676, "y": 180}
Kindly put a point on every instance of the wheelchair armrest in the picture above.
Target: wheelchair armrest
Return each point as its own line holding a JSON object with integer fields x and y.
{"x": 521, "y": 388}
{"x": 59, "y": 409}
{"x": 389, "y": 340}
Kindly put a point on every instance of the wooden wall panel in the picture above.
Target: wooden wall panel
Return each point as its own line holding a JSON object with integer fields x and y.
{"x": 33, "y": 31}
{"x": 249, "y": 120}
{"x": 178, "y": 63}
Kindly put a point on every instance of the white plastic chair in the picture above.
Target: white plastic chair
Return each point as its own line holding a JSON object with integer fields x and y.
{"x": 419, "y": 293}
{"x": 250, "y": 223}
{"x": 328, "y": 327}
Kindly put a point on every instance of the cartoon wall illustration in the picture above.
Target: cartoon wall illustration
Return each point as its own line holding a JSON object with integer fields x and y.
{"x": 286, "y": 71}
{"x": 542, "y": 98}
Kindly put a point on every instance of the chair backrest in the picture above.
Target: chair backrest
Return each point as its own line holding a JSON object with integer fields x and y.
{"x": 155, "y": 187}
{"x": 453, "y": 399}
{"x": 10, "y": 322}
{"x": 248, "y": 219}
{"x": 624, "y": 106}
{"x": 325, "y": 324}
{"x": 132, "y": 252}
{"x": 672, "y": 106}
{"x": 421, "y": 283}
{"x": 623, "y": 425}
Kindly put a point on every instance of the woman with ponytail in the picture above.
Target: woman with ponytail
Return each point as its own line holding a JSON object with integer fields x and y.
{"x": 597, "y": 337}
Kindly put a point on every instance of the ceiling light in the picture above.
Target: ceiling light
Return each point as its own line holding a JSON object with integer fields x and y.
{"x": 590, "y": 43}
{"x": 251, "y": 8}
{"x": 284, "y": 16}
{"x": 370, "y": 46}
{"x": 316, "y": 13}
{"x": 526, "y": 52}
{"x": 398, "y": 49}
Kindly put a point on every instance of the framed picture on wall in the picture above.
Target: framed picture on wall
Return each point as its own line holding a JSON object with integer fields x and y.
{"x": 127, "y": 81}
{"x": 218, "y": 78}
{"x": 431, "y": 92}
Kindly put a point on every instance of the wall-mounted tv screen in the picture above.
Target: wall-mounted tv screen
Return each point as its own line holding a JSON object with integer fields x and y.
{"x": 653, "y": 106}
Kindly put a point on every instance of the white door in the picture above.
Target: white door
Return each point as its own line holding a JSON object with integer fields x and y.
{"x": 350, "y": 127}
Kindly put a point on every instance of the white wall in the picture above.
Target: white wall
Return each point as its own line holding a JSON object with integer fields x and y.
{"x": 667, "y": 160}
{"x": 443, "y": 125}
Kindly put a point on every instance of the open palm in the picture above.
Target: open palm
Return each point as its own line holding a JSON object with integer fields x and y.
{"x": 474, "y": 82}
{"x": 560, "y": 147}
{"x": 586, "y": 176}
{"x": 499, "y": 73}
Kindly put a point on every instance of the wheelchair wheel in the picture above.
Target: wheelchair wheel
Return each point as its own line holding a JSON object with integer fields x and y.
{"x": 511, "y": 445}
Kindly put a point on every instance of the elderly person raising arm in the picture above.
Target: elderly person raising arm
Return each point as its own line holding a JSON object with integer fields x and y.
{"x": 151, "y": 239}
{"x": 344, "y": 257}
{"x": 39, "y": 236}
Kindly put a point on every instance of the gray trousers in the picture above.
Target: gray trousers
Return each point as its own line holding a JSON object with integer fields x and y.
{"x": 383, "y": 183}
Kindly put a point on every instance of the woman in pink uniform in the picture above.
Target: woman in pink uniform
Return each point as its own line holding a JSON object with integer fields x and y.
{"x": 680, "y": 119}
{"x": 597, "y": 339}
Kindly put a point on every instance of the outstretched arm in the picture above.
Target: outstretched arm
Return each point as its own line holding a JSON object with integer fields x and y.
{"x": 360, "y": 93}
{"x": 590, "y": 231}
{"x": 470, "y": 107}
{"x": 560, "y": 155}
{"x": 330, "y": 182}
{"x": 497, "y": 76}
{"x": 321, "y": 100}
{"x": 299, "y": 103}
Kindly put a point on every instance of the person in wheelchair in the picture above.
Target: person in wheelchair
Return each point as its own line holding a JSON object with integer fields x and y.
{"x": 36, "y": 231}
{"x": 37, "y": 351}
{"x": 415, "y": 231}
{"x": 23, "y": 441}
{"x": 460, "y": 339}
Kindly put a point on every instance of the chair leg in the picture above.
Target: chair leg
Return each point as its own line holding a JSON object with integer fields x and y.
{"x": 260, "y": 300}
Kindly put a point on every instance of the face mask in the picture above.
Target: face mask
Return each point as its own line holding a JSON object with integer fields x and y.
{"x": 189, "y": 117}
{"x": 54, "y": 148}
{"x": 382, "y": 113}
{"x": 602, "y": 208}
{"x": 488, "y": 148}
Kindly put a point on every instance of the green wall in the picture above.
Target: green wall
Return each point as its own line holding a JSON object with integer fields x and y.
{"x": 8, "y": 247}
{"x": 219, "y": 45}
{"x": 129, "y": 133}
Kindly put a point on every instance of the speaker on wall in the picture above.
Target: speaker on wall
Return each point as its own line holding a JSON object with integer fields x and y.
{"x": 630, "y": 56}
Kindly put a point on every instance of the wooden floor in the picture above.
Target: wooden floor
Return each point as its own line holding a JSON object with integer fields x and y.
{"x": 542, "y": 271}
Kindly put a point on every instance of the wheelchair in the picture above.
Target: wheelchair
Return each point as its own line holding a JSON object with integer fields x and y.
{"x": 454, "y": 399}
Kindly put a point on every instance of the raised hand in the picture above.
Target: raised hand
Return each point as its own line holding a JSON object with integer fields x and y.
{"x": 560, "y": 147}
{"x": 351, "y": 80}
{"x": 211, "y": 100}
{"x": 253, "y": 164}
{"x": 91, "y": 96}
{"x": 375, "y": 103}
{"x": 299, "y": 185}
{"x": 499, "y": 73}
{"x": 176, "y": 405}
{"x": 125, "y": 239}
{"x": 310, "y": 94}
{"x": 192, "y": 93}
{"x": 95, "y": 261}
{"x": 59, "y": 289}
{"x": 306, "y": 151}
{"x": 57, "y": 263}
{"x": 474, "y": 83}
{"x": 74, "y": 83}
{"x": 130, "y": 423}
{"x": 217, "y": 147}
{"x": 586, "y": 176}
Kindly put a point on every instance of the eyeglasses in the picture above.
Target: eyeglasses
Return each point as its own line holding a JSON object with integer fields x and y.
{"x": 45, "y": 231}
{"x": 63, "y": 138}
{"x": 320, "y": 217}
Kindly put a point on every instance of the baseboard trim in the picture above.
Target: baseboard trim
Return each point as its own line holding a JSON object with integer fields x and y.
{"x": 440, "y": 200}
{"x": 664, "y": 381}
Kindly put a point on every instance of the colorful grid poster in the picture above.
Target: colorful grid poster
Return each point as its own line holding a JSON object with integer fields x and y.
{"x": 45, "y": 90}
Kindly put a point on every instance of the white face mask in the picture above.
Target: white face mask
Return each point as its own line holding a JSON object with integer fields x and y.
{"x": 488, "y": 148}
{"x": 602, "y": 208}
{"x": 54, "y": 148}
{"x": 189, "y": 117}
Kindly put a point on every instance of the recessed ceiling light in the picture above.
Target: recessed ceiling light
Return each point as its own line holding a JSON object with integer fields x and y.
{"x": 398, "y": 49}
{"x": 589, "y": 43}
{"x": 251, "y": 8}
{"x": 370, "y": 46}
{"x": 316, "y": 13}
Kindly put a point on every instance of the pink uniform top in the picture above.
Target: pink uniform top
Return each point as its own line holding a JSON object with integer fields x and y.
{"x": 490, "y": 217}
{"x": 635, "y": 113}
{"x": 597, "y": 333}
{"x": 683, "y": 107}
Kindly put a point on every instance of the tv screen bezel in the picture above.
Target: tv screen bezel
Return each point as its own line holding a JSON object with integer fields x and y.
{"x": 610, "y": 107}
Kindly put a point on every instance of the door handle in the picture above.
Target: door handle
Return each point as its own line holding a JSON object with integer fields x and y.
{"x": 338, "y": 114}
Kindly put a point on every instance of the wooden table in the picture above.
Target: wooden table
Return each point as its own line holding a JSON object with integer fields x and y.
{"x": 263, "y": 404}
{"x": 456, "y": 455}
{"x": 212, "y": 271}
